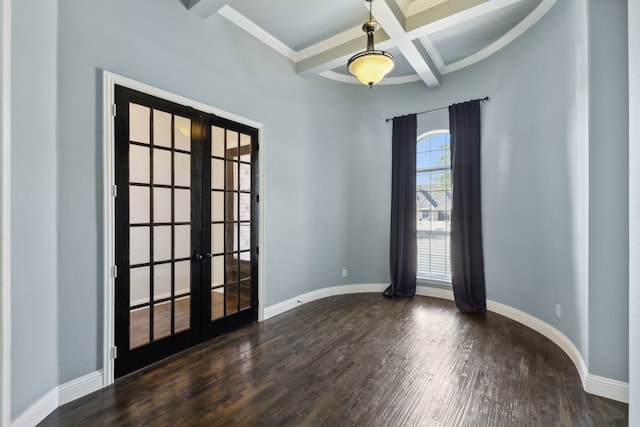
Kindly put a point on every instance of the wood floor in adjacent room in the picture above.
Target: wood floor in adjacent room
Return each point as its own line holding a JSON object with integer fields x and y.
{"x": 357, "y": 360}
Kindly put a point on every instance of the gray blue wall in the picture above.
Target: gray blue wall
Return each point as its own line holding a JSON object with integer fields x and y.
{"x": 34, "y": 309}
{"x": 326, "y": 168}
{"x": 608, "y": 190}
{"x": 634, "y": 213}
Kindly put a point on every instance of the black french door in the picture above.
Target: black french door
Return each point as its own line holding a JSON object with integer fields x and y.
{"x": 186, "y": 227}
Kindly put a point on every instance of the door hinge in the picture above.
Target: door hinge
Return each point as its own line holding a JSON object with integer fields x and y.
{"x": 114, "y": 191}
{"x": 113, "y": 110}
{"x": 257, "y": 250}
{"x": 114, "y": 352}
{"x": 114, "y": 271}
{"x": 257, "y": 198}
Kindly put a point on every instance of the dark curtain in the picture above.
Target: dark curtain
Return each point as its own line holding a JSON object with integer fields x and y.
{"x": 403, "y": 245}
{"x": 467, "y": 264}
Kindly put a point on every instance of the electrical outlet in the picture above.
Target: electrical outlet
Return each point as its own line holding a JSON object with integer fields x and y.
{"x": 558, "y": 311}
{"x": 344, "y": 272}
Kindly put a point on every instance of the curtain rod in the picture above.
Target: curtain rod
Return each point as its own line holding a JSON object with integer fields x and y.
{"x": 486, "y": 98}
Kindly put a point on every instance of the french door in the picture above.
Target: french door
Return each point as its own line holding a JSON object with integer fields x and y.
{"x": 186, "y": 227}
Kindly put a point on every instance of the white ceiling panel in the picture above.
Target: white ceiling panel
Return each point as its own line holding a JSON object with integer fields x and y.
{"x": 300, "y": 24}
{"x": 459, "y": 41}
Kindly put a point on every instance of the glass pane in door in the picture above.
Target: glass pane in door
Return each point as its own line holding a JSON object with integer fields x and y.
{"x": 231, "y": 222}
{"x": 159, "y": 224}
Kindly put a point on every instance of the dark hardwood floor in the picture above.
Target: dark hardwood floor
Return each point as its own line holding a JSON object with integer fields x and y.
{"x": 357, "y": 360}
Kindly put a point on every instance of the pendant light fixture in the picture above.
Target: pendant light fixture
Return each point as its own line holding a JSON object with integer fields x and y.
{"x": 371, "y": 65}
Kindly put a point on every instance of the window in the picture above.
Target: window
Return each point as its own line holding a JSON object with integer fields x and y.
{"x": 433, "y": 188}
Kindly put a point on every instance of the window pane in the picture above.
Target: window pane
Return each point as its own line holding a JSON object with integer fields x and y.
{"x": 139, "y": 165}
{"x": 139, "y": 117}
{"x": 232, "y": 298}
{"x": 232, "y": 144}
{"x": 245, "y": 177}
{"x": 217, "y": 206}
{"x": 182, "y": 314}
{"x": 138, "y": 285}
{"x": 182, "y": 133}
{"x": 217, "y": 141}
{"x": 182, "y": 278}
{"x": 182, "y": 206}
{"x": 161, "y": 320}
{"x": 138, "y": 245}
{"x": 217, "y": 303}
{"x": 217, "y": 174}
{"x": 161, "y": 243}
{"x": 138, "y": 327}
{"x": 217, "y": 271}
{"x": 182, "y": 241}
{"x": 161, "y": 128}
{"x": 217, "y": 238}
{"x": 138, "y": 205}
{"x": 161, "y": 281}
{"x": 162, "y": 167}
{"x": 182, "y": 170}
{"x": 245, "y": 294}
{"x": 433, "y": 204}
{"x": 161, "y": 205}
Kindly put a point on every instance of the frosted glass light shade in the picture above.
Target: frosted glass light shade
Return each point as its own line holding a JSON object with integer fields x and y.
{"x": 371, "y": 66}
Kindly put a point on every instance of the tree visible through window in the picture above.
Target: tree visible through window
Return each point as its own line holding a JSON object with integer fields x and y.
{"x": 433, "y": 187}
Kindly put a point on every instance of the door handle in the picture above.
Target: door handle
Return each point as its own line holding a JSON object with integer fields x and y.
{"x": 201, "y": 257}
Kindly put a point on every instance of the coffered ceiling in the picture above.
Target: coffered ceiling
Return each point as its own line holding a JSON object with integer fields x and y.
{"x": 428, "y": 38}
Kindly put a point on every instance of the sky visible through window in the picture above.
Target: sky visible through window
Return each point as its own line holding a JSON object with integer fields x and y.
{"x": 431, "y": 152}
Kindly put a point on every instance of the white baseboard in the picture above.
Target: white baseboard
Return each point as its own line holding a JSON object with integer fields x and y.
{"x": 38, "y": 411}
{"x": 58, "y": 396}
{"x": 281, "y": 307}
{"x": 606, "y": 387}
{"x": 79, "y": 387}
{"x": 546, "y": 330}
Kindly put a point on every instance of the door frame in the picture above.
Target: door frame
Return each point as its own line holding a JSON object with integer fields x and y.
{"x": 109, "y": 81}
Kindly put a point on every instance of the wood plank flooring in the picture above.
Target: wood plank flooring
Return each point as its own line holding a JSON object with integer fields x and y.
{"x": 359, "y": 360}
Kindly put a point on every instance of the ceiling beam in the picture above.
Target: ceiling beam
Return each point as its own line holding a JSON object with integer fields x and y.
{"x": 393, "y": 24}
{"x": 205, "y": 8}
